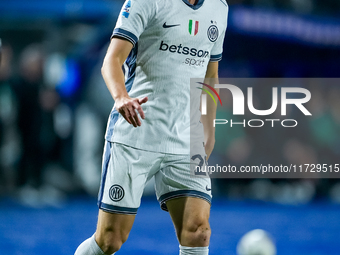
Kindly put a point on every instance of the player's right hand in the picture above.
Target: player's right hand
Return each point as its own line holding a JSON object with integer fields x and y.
{"x": 127, "y": 107}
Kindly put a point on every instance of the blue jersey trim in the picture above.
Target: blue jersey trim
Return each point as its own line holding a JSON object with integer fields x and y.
{"x": 117, "y": 209}
{"x": 106, "y": 160}
{"x": 112, "y": 122}
{"x": 182, "y": 193}
{"x": 122, "y": 33}
{"x": 192, "y": 6}
{"x": 131, "y": 64}
{"x": 215, "y": 58}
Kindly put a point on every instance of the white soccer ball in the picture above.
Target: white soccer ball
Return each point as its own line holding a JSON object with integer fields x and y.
{"x": 256, "y": 242}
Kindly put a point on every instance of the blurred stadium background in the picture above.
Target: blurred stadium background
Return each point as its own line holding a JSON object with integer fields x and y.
{"x": 54, "y": 107}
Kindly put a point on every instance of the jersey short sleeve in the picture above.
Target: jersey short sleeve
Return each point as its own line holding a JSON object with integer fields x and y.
{"x": 133, "y": 19}
{"x": 216, "y": 52}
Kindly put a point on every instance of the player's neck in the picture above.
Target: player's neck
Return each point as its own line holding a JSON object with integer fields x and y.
{"x": 193, "y": 2}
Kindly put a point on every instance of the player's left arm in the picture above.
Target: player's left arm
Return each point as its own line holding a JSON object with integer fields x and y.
{"x": 208, "y": 119}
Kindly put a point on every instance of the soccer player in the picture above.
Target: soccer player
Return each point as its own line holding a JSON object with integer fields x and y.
{"x": 161, "y": 44}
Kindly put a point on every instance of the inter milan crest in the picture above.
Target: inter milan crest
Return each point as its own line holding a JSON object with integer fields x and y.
{"x": 193, "y": 27}
{"x": 116, "y": 193}
{"x": 212, "y": 33}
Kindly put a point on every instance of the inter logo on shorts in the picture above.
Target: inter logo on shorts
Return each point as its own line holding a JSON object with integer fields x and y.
{"x": 116, "y": 193}
{"x": 193, "y": 27}
{"x": 213, "y": 33}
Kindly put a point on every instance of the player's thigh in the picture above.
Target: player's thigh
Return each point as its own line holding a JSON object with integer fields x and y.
{"x": 113, "y": 227}
{"x": 176, "y": 180}
{"x": 189, "y": 213}
{"x": 124, "y": 175}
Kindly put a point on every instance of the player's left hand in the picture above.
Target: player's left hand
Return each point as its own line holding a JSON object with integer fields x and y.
{"x": 127, "y": 107}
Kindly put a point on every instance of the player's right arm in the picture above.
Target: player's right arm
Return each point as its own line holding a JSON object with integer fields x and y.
{"x": 113, "y": 75}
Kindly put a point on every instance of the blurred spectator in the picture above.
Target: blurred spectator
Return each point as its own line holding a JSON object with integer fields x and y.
{"x": 27, "y": 88}
{"x": 36, "y": 104}
{"x": 8, "y": 142}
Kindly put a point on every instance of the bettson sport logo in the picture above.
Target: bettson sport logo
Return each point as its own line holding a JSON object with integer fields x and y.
{"x": 239, "y": 103}
{"x": 179, "y": 49}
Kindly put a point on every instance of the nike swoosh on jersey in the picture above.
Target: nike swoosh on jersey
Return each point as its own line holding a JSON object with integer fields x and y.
{"x": 207, "y": 188}
{"x": 167, "y": 26}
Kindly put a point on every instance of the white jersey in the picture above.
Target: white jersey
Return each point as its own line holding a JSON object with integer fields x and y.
{"x": 173, "y": 42}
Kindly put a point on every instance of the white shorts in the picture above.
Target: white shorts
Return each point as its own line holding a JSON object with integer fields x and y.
{"x": 126, "y": 171}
